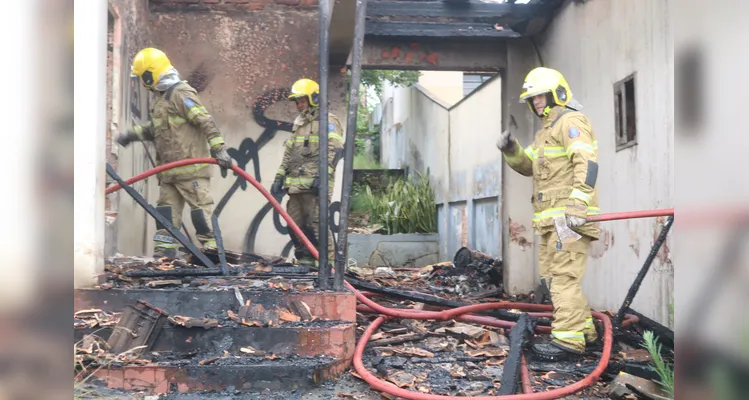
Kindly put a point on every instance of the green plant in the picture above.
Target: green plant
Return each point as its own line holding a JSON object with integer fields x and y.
{"x": 375, "y": 78}
{"x": 404, "y": 207}
{"x": 664, "y": 370}
{"x": 361, "y": 161}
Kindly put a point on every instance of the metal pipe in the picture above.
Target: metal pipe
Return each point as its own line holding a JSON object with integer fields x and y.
{"x": 643, "y": 271}
{"x": 157, "y": 216}
{"x": 322, "y": 240}
{"x": 348, "y": 159}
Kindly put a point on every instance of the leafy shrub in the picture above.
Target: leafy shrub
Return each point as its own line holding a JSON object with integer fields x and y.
{"x": 404, "y": 207}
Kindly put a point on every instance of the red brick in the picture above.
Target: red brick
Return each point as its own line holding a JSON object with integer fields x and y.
{"x": 159, "y": 378}
{"x": 211, "y": 1}
{"x": 308, "y": 2}
{"x": 175, "y": 1}
{"x": 287, "y": 2}
{"x": 139, "y": 378}
{"x": 237, "y": 1}
{"x": 116, "y": 378}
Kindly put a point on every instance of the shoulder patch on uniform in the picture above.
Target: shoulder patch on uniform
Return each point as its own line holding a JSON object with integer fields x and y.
{"x": 574, "y": 132}
{"x": 189, "y": 103}
{"x": 331, "y": 127}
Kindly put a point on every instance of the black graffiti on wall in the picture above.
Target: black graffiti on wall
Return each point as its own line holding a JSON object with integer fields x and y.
{"x": 248, "y": 152}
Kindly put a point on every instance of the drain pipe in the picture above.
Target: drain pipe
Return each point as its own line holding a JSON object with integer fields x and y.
{"x": 348, "y": 159}
{"x": 322, "y": 168}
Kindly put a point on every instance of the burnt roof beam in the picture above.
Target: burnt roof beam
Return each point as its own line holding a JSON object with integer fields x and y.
{"x": 469, "y": 9}
{"x": 437, "y": 29}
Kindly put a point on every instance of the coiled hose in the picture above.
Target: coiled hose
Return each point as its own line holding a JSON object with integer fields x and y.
{"x": 460, "y": 313}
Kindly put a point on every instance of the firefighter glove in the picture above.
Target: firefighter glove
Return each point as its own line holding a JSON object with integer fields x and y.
{"x": 222, "y": 155}
{"x": 506, "y": 142}
{"x": 575, "y": 213}
{"x": 124, "y": 139}
{"x": 276, "y": 190}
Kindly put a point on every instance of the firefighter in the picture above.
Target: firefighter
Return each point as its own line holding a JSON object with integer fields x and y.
{"x": 180, "y": 128}
{"x": 563, "y": 163}
{"x": 298, "y": 174}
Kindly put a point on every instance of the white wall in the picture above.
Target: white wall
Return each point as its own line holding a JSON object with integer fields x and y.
{"x": 90, "y": 112}
{"x": 595, "y": 45}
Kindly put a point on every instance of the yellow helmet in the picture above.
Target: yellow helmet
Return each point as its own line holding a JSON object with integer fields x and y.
{"x": 149, "y": 65}
{"x": 546, "y": 80}
{"x": 306, "y": 87}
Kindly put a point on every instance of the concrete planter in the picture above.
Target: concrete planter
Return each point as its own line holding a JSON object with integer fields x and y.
{"x": 400, "y": 250}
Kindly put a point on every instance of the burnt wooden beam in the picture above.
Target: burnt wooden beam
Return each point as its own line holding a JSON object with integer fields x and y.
{"x": 437, "y": 29}
{"x": 464, "y": 9}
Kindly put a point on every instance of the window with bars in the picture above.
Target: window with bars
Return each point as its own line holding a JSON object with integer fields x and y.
{"x": 625, "y": 113}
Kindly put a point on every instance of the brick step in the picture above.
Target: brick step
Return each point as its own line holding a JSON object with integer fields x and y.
{"x": 339, "y": 306}
{"x": 331, "y": 338}
{"x": 243, "y": 374}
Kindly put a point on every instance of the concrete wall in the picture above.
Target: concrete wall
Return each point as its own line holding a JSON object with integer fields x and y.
{"x": 89, "y": 144}
{"x": 456, "y": 144}
{"x": 240, "y": 57}
{"x": 613, "y": 40}
{"x": 410, "y": 250}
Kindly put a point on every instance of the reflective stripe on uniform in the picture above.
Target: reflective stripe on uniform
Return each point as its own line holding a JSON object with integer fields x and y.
{"x": 209, "y": 244}
{"x": 157, "y": 122}
{"x": 559, "y": 211}
{"x": 335, "y": 136}
{"x": 299, "y": 181}
{"x": 187, "y": 169}
{"x": 588, "y": 323}
{"x": 555, "y": 151}
{"x": 582, "y": 146}
{"x": 138, "y": 131}
{"x": 580, "y": 195}
{"x": 330, "y": 170}
{"x": 532, "y": 154}
{"x": 162, "y": 245}
{"x": 218, "y": 140}
{"x": 281, "y": 171}
{"x": 176, "y": 120}
{"x": 568, "y": 335}
{"x": 195, "y": 111}
{"x": 288, "y": 143}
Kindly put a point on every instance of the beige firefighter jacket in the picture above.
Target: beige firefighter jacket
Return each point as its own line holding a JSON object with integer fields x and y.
{"x": 180, "y": 128}
{"x": 563, "y": 161}
{"x": 299, "y": 167}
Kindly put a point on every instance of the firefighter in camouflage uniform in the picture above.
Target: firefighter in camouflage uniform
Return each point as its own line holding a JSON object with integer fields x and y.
{"x": 563, "y": 163}
{"x": 180, "y": 128}
{"x": 298, "y": 174}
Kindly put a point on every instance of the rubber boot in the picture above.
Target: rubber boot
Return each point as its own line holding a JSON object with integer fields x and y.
{"x": 554, "y": 351}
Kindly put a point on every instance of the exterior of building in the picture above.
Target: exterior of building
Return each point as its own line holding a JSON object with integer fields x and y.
{"x": 617, "y": 72}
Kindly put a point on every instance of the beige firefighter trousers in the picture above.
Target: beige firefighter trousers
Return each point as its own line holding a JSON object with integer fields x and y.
{"x": 304, "y": 209}
{"x": 563, "y": 267}
{"x": 197, "y": 194}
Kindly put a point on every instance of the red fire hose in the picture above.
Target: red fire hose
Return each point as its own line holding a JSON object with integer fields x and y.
{"x": 460, "y": 313}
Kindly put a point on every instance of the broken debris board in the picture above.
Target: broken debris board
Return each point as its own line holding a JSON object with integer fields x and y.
{"x": 519, "y": 335}
{"x": 139, "y": 325}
